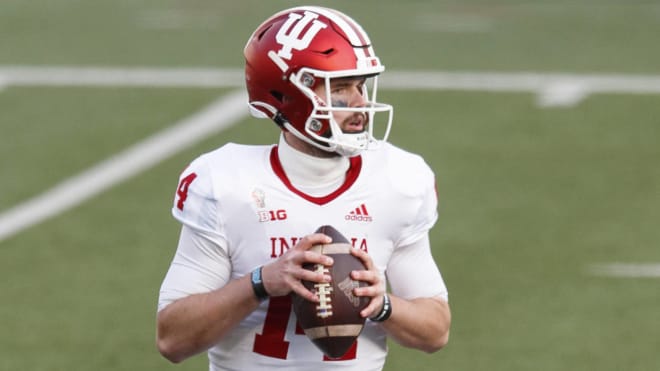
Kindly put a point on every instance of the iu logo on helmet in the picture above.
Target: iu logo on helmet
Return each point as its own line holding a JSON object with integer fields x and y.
{"x": 297, "y": 33}
{"x": 291, "y": 34}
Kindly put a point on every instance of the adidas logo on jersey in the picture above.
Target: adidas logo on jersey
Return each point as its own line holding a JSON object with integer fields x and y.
{"x": 360, "y": 214}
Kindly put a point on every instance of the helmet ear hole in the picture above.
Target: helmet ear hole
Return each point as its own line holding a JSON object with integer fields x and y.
{"x": 277, "y": 95}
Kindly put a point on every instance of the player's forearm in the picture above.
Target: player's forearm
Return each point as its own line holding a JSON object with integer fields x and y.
{"x": 193, "y": 324}
{"x": 419, "y": 323}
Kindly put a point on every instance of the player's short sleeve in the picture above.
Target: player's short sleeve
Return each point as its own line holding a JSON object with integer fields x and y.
{"x": 195, "y": 203}
{"x": 201, "y": 262}
{"x": 199, "y": 265}
{"x": 411, "y": 270}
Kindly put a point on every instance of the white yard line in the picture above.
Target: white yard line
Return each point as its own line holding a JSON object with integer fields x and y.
{"x": 625, "y": 270}
{"x": 552, "y": 89}
{"x": 219, "y": 115}
{"x": 520, "y": 81}
{"x": 121, "y": 77}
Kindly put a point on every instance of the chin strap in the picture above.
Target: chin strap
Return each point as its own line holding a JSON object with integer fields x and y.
{"x": 280, "y": 120}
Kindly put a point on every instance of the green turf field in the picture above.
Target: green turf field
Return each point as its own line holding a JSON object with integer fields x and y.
{"x": 531, "y": 197}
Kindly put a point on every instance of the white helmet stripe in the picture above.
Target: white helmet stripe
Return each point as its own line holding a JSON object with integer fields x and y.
{"x": 356, "y": 35}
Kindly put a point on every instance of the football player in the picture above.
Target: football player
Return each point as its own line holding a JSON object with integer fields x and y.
{"x": 249, "y": 212}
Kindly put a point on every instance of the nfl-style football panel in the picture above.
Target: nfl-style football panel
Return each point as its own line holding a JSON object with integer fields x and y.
{"x": 334, "y": 323}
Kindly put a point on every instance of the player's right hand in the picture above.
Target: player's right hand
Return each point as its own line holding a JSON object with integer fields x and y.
{"x": 285, "y": 274}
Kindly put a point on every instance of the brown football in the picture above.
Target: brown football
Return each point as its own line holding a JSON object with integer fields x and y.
{"x": 334, "y": 324}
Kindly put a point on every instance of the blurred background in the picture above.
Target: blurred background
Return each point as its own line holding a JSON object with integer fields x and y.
{"x": 540, "y": 120}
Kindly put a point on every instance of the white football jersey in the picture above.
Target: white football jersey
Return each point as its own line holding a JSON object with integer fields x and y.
{"x": 238, "y": 200}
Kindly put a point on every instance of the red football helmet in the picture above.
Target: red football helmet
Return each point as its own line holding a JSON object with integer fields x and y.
{"x": 295, "y": 50}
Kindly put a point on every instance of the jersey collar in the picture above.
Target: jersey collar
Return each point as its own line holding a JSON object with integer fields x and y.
{"x": 355, "y": 164}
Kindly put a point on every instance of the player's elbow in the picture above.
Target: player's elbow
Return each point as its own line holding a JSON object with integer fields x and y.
{"x": 430, "y": 342}
{"x": 440, "y": 332}
{"x": 168, "y": 350}
{"x": 438, "y": 336}
{"x": 428, "y": 345}
{"x": 168, "y": 345}
{"x": 438, "y": 343}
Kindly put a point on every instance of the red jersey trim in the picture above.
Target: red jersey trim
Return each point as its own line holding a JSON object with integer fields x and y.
{"x": 351, "y": 176}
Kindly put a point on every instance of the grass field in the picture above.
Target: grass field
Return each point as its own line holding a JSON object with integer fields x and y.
{"x": 531, "y": 197}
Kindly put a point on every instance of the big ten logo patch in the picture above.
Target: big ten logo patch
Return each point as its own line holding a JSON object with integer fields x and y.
{"x": 271, "y": 215}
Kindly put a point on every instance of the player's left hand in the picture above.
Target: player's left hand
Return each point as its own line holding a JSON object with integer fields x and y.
{"x": 376, "y": 288}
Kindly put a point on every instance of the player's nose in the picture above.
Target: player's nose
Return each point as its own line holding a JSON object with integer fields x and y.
{"x": 357, "y": 98}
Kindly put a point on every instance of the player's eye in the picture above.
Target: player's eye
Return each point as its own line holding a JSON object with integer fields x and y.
{"x": 338, "y": 89}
